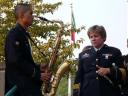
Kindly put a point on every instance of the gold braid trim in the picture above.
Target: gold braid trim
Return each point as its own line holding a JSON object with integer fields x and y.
{"x": 76, "y": 86}
{"x": 123, "y": 71}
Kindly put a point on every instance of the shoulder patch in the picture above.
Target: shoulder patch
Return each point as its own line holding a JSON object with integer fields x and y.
{"x": 85, "y": 55}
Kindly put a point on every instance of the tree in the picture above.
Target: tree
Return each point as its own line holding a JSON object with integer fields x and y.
{"x": 43, "y": 33}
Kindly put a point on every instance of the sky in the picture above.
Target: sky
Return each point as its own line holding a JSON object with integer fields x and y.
{"x": 112, "y": 14}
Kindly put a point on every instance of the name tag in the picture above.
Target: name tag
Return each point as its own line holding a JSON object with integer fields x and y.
{"x": 107, "y": 56}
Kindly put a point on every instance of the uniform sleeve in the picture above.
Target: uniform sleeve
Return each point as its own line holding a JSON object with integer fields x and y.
{"x": 117, "y": 71}
{"x": 16, "y": 57}
{"x": 78, "y": 78}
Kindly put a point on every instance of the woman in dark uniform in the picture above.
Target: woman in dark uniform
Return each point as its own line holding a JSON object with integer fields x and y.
{"x": 100, "y": 67}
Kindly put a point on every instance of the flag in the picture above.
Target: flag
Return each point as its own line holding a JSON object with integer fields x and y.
{"x": 73, "y": 26}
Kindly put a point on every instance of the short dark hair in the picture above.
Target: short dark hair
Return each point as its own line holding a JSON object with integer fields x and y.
{"x": 99, "y": 30}
{"x": 21, "y": 8}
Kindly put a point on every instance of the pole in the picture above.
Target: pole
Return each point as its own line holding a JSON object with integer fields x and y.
{"x": 69, "y": 84}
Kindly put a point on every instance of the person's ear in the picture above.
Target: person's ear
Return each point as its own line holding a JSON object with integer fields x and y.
{"x": 21, "y": 15}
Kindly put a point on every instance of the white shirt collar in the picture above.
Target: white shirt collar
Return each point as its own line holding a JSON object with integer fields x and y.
{"x": 96, "y": 49}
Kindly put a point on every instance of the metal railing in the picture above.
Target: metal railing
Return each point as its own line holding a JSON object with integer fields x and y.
{"x": 2, "y": 78}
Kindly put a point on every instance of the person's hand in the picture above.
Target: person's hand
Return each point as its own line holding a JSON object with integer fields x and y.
{"x": 102, "y": 71}
{"x": 45, "y": 77}
{"x": 43, "y": 67}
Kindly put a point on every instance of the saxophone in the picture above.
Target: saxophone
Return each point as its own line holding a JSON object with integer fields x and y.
{"x": 62, "y": 69}
{"x": 51, "y": 87}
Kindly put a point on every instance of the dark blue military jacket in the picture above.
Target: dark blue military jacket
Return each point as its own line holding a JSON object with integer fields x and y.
{"x": 91, "y": 84}
{"x": 125, "y": 57}
{"x": 20, "y": 67}
{"x": 124, "y": 88}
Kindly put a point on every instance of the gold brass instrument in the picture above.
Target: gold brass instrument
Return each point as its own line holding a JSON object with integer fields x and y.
{"x": 60, "y": 72}
{"x": 51, "y": 87}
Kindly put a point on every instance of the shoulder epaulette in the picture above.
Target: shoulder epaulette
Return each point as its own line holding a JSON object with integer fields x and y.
{"x": 86, "y": 48}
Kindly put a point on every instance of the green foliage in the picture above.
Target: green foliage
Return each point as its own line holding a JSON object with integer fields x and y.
{"x": 63, "y": 87}
{"x": 6, "y": 22}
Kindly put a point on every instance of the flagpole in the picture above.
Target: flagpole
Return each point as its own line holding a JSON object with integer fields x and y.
{"x": 70, "y": 75}
{"x": 69, "y": 84}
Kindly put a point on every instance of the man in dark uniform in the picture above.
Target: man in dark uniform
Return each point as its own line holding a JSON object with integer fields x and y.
{"x": 20, "y": 67}
{"x": 125, "y": 57}
{"x": 100, "y": 67}
{"x": 124, "y": 88}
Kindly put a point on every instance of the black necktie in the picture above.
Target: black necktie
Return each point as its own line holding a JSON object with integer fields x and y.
{"x": 98, "y": 57}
